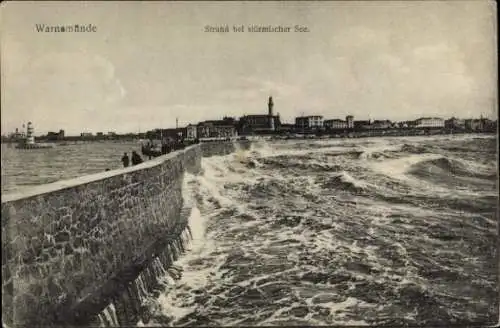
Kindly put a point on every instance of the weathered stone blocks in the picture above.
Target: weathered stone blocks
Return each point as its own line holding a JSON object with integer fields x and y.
{"x": 70, "y": 240}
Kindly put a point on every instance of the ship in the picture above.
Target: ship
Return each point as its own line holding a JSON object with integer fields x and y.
{"x": 29, "y": 141}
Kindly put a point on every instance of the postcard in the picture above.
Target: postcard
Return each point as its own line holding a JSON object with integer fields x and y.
{"x": 249, "y": 163}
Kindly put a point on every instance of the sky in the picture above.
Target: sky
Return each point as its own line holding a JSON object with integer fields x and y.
{"x": 149, "y": 63}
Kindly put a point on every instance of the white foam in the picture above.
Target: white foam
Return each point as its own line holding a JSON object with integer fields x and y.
{"x": 227, "y": 179}
{"x": 398, "y": 168}
{"x": 108, "y": 318}
{"x": 347, "y": 178}
{"x": 168, "y": 307}
{"x": 193, "y": 276}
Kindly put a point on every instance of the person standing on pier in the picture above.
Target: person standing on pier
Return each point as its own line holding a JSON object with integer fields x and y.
{"x": 125, "y": 160}
{"x": 136, "y": 158}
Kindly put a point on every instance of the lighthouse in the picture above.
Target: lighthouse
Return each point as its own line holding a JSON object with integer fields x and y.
{"x": 270, "y": 105}
{"x": 30, "y": 137}
{"x": 29, "y": 141}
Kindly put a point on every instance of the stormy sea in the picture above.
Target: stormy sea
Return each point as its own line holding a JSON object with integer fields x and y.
{"x": 379, "y": 231}
{"x": 371, "y": 231}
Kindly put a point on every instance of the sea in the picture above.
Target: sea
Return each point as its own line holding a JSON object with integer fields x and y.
{"x": 22, "y": 168}
{"x": 370, "y": 231}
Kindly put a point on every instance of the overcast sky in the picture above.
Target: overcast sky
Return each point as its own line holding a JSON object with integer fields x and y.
{"x": 149, "y": 63}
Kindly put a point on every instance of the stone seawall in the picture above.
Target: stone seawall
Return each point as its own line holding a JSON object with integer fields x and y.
{"x": 71, "y": 248}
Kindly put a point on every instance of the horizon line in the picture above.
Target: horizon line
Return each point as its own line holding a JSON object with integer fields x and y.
{"x": 105, "y": 132}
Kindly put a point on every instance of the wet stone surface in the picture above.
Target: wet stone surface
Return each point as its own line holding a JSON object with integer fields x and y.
{"x": 80, "y": 236}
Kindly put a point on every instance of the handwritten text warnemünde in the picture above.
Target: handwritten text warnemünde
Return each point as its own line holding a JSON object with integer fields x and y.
{"x": 65, "y": 28}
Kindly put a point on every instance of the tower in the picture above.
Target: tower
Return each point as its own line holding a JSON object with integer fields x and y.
{"x": 270, "y": 105}
{"x": 349, "y": 121}
{"x": 30, "y": 138}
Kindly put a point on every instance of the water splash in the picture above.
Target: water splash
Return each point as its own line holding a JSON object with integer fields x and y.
{"x": 108, "y": 318}
{"x": 335, "y": 233}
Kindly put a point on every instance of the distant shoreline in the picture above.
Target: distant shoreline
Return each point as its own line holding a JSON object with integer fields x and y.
{"x": 371, "y": 134}
{"x": 70, "y": 140}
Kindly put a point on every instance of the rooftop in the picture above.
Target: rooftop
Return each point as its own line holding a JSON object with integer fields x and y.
{"x": 310, "y": 116}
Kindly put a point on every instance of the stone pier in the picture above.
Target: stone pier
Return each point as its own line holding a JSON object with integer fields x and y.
{"x": 72, "y": 247}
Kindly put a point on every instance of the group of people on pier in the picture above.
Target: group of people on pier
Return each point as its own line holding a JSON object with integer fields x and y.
{"x": 150, "y": 150}
{"x": 136, "y": 159}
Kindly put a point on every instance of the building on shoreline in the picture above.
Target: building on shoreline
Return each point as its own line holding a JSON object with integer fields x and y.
{"x": 270, "y": 124}
{"x": 191, "y": 132}
{"x": 474, "y": 124}
{"x": 163, "y": 134}
{"x": 429, "y": 122}
{"x": 261, "y": 122}
{"x": 335, "y": 124}
{"x": 286, "y": 128}
{"x": 173, "y": 133}
{"x": 225, "y": 128}
{"x": 309, "y": 123}
{"x": 381, "y": 125}
{"x": 455, "y": 123}
{"x": 338, "y": 124}
{"x": 362, "y": 124}
{"x": 52, "y": 136}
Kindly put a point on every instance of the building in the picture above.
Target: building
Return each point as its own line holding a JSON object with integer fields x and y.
{"x": 428, "y": 122}
{"x": 405, "y": 124}
{"x": 309, "y": 123}
{"x": 489, "y": 125}
{"x": 99, "y": 134}
{"x": 338, "y": 124}
{"x": 173, "y": 133}
{"x": 350, "y": 121}
{"x": 225, "y": 128}
{"x": 225, "y": 131}
{"x": 472, "y": 124}
{"x": 381, "y": 125}
{"x": 335, "y": 124}
{"x": 362, "y": 124}
{"x": 454, "y": 123}
{"x": 52, "y": 135}
{"x": 163, "y": 134}
{"x": 261, "y": 122}
{"x": 204, "y": 130}
{"x": 55, "y": 135}
{"x": 255, "y": 123}
{"x": 287, "y": 128}
{"x": 191, "y": 132}
{"x": 86, "y": 134}
{"x": 226, "y": 120}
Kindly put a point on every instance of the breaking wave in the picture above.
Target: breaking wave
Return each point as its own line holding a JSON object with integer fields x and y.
{"x": 344, "y": 181}
{"x": 383, "y": 231}
{"x": 454, "y": 167}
